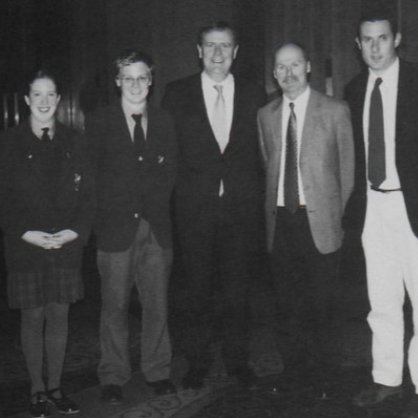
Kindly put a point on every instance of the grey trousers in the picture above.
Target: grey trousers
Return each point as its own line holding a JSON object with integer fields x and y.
{"x": 147, "y": 266}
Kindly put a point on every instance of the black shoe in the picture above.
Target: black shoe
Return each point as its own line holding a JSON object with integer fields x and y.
{"x": 377, "y": 393}
{"x": 245, "y": 377}
{"x": 64, "y": 404}
{"x": 163, "y": 387}
{"x": 411, "y": 410}
{"x": 194, "y": 379}
{"x": 112, "y": 394}
{"x": 39, "y": 408}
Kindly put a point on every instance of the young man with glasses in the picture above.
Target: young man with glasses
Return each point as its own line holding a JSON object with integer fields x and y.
{"x": 133, "y": 149}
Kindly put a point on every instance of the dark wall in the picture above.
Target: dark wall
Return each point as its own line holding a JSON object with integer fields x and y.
{"x": 80, "y": 39}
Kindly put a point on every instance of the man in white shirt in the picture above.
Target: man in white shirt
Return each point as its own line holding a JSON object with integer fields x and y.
{"x": 307, "y": 146}
{"x": 384, "y": 206}
{"x": 218, "y": 200}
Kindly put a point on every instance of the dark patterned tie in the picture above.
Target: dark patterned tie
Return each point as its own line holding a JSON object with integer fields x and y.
{"x": 139, "y": 137}
{"x": 45, "y": 136}
{"x": 291, "y": 187}
{"x": 377, "y": 169}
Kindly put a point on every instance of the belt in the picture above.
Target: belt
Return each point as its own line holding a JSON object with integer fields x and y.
{"x": 376, "y": 189}
{"x": 299, "y": 207}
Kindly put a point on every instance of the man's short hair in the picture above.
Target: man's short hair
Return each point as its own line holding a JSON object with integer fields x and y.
{"x": 378, "y": 14}
{"x": 131, "y": 56}
{"x": 219, "y": 26}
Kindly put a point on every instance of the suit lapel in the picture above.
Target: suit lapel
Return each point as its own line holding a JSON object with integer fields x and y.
{"x": 117, "y": 123}
{"x": 198, "y": 109}
{"x": 308, "y": 133}
{"x": 360, "y": 95}
{"x": 239, "y": 106}
{"x": 277, "y": 133}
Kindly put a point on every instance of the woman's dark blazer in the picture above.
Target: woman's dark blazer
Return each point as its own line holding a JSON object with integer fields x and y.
{"x": 26, "y": 204}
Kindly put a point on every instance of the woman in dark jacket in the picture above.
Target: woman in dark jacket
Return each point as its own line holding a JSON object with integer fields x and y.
{"x": 46, "y": 211}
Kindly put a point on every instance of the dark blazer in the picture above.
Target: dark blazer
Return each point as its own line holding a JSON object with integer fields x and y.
{"x": 26, "y": 204}
{"x": 406, "y": 145}
{"x": 121, "y": 195}
{"x": 201, "y": 163}
{"x": 326, "y": 165}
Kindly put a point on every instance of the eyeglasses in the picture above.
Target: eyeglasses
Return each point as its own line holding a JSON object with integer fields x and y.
{"x": 129, "y": 81}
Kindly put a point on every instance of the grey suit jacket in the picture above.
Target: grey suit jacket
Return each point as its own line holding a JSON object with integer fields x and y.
{"x": 326, "y": 165}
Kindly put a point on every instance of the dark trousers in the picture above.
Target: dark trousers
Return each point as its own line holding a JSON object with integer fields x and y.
{"x": 216, "y": 262}
{"x": 307, "y": 286}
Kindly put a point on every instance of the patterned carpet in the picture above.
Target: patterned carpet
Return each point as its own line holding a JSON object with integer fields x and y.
{"x": 221, "y": 397}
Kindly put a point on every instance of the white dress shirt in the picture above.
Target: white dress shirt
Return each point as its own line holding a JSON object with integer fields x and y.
{"x": 301, "y": 103}
{"x": 210, "y": 95}
{"x": 389, "y": 92}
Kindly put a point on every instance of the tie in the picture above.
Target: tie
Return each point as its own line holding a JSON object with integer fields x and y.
{"x": 291, "y": 187}
{"x": 219, "y": 123}
{"x": 45, "y": 136}
{"x": 377, "y": 170}
{"x": 139, "y": 137}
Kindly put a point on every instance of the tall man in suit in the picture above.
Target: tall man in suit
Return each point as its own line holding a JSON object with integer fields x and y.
{"x": 218, "y": 199}
{"x": 307, "y": 146}
{"x": 134, "y": 147}
{"x": 384, "y": 205}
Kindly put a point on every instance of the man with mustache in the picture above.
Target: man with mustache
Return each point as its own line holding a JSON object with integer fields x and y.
{"x": 307, "y": 146}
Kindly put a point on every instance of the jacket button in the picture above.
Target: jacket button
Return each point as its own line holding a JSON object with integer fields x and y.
{"x": 136, "y": 215}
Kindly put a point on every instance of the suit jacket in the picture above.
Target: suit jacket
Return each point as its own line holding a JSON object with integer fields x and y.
{"x": 326, "y": 165}
{"x": 406, "y": 139}
{"x": 26, "y": 202}
{"x": 125, "y": 192}
{"x": 202, "y": 165}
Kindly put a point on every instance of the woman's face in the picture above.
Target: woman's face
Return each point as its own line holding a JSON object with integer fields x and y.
{"x": 43, "y": 100}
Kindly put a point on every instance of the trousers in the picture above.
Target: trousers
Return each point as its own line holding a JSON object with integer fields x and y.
{"x": 391, "y": 251}
{"x": 308, "y": 297}
{"x": 147, "y": 266}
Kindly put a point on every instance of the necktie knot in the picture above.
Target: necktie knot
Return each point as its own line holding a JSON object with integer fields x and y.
{"x": 378, "y": 82}
{"x": 137, "y": 118}
{"x": 292, "y": 106}
{"x": 45, "y": 136}
{"x": 218, "y": 88}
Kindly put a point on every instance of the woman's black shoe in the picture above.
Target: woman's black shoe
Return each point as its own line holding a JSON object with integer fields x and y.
{"x": 40, "y": 408}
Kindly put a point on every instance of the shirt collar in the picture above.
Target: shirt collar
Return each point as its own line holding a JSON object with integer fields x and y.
{"x": 390, "y": 74}
{"x": 128, "y": 111}
{"x": 301, "y": 101}
{"x": 208, "y": 82}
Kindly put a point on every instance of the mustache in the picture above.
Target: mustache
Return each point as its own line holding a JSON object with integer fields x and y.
{"x": 290, "y": 78}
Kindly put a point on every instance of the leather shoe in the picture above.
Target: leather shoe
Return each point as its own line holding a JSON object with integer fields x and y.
{"x": 411, "y": 410}
{"x": 377, "y": 393}
{"x": 194, "y": 378}
{"x": 162, "y": 387}
{"x": 112, "y": 394}
{"x": 246, "y": 378}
